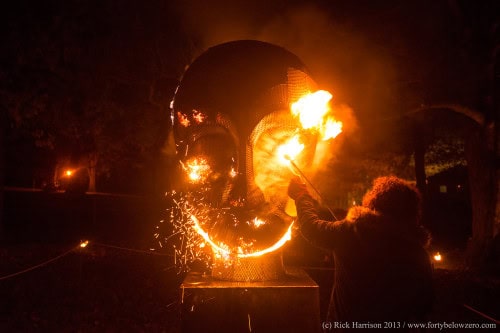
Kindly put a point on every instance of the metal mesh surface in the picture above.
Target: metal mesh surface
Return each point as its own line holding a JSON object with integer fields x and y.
{"x": 267, "y": 267}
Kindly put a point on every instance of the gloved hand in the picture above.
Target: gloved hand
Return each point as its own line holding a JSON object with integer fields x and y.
{"x": 296, "y": 188}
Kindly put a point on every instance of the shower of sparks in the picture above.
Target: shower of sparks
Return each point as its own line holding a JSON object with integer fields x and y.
{"x": 184, "y": 229}
{"x": 176, "y": 231}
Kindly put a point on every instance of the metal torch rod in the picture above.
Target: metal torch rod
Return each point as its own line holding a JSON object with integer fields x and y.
{"x": 303, "y": 176}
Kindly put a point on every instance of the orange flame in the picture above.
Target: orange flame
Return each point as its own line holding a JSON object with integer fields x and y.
{"x": 289, "y": 150}
{"x": 183, "y": 119}
{"x": 197, "y": 169}
{"x": 256, "y": 223}
{"x": 313, "y": 111}
{"x": 331, "y": 129}
{"x": 198, "y": 116}
{"x": 224, "y": 251}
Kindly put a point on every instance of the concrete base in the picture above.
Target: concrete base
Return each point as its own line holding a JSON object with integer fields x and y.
{"x": 290, "y": 304}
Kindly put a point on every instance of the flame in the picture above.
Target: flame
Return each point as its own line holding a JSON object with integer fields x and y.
{"x": 224, "y": 251}
{"x": 84, "y": 244}
{"x": 197, "y": 169}
{"x": 289, "y": 150}
{"x": 311, "y": 108}
{"x": 256, "y": 222}
{"x": 438, "y": 257}
{"x": 313, "y": 111}
{"x": 183, "y": 119}
{"x": 233, "y": 173}
{"x": 198, "y": 116}
{"x": 68, "y": 173}
{"x": 331, "y": 129}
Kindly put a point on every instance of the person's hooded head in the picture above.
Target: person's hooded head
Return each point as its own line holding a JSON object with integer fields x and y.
{"x": 394, "y": 198}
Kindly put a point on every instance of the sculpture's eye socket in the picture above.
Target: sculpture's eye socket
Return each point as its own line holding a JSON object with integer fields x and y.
{"x": 197, "y": 170}
{"x": 211, "y": 158}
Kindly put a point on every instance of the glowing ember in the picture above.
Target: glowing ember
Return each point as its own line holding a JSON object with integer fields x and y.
{"x": 256, "y": 222}
{"x": 197, "y": 169}
{"x": 233, "y": 173}
{"x": 437, "y": 257}
{"x": 289, "y": 150}
{"x": 198, "y": 116}
{"x": 183, "y": 119}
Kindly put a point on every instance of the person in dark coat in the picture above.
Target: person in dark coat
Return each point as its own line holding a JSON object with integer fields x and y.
{"x": 383, "y": 273}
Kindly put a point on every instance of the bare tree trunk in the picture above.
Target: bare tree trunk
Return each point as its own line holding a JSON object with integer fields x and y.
{"x": 91, "y": 169}
{"x": 420, "y": 167}
{"x": 3, "y": 121}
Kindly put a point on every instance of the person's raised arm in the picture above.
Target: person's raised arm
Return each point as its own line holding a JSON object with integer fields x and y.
{"x": 319, "y": 232}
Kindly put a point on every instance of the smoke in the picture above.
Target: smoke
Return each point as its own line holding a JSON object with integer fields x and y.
{"x": 337, "y": 49}
{"x": 338, "y": 52}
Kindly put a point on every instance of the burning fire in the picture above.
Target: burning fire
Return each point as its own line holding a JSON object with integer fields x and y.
{"x": 183, "y": 119}
{"x": 224, "y": 251}
{"x": 197, "y": 169}
{"x": 280, "y": 147}
{"x": 331, "y": 129}
{"x": 438, "y": 257}
{"x": 198, "y": 116}
{"x": 256, "y": 222}
{"x": 290, "y": 150}
{"x": 313, "y": 111}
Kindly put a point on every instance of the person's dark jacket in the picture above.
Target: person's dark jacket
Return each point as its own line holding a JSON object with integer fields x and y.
{"x": 382, "y": 271}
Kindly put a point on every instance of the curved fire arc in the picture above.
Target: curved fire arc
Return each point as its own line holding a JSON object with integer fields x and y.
{"x": 226, "y": 253}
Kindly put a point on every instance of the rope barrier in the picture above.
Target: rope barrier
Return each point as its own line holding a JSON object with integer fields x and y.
{"x": 481, "y": 314}
{"x": 80, "y": 246}
{"x": 41, "y": 264}
{"x": 133, "y": 250}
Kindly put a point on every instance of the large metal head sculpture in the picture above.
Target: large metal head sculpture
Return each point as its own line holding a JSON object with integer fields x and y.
{"x": 230, "y": 115}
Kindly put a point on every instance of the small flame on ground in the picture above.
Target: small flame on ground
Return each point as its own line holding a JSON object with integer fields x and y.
{"x": 68, "y": 173}
{"x": 438, "y": 257}
{"x": 84, "y": 244}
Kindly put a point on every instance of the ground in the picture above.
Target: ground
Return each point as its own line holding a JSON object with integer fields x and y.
{"x": 101, "y": 288}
